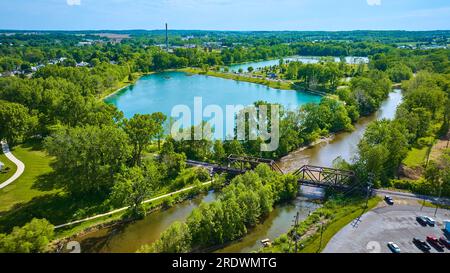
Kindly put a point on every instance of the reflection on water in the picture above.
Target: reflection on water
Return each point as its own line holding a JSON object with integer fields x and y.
{"x": 277, "y": 223}
{"x": 129, "y": 237}
{"x": 343, "y": 144}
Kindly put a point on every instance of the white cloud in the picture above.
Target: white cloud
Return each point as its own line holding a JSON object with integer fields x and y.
{"x": 374, "y": 2}
{"x": 73, "y": 2}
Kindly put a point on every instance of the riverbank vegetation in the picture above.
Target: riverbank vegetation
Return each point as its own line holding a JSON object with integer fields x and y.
{"x": 422, "y": 117}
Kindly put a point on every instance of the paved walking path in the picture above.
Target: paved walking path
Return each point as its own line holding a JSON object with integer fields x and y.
{"x": 125, "y": 208}
{"x": 19, "y": 164}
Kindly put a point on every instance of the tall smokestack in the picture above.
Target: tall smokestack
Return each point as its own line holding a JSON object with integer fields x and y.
{"x": 167, "y": 38}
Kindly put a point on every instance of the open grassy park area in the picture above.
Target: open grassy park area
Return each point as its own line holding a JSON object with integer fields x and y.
{"x": 26, "y": 187}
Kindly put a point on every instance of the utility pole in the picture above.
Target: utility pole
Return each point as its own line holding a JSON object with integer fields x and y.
{"x": 369, "y": 187}
{"x": 295, "y": 235}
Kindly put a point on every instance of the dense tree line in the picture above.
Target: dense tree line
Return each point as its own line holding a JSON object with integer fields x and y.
{"x": 424, "y": 114}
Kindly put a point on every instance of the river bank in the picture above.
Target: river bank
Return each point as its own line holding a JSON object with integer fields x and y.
{"x": 277, "y": 84}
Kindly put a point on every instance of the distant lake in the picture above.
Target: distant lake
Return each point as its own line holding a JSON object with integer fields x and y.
{"x": 303, "y": 59}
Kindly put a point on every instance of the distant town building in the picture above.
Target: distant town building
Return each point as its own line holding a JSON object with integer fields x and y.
{"x": 83, "y": 64}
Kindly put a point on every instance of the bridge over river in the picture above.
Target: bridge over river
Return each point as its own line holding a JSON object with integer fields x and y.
{"x": 315, "y": 176}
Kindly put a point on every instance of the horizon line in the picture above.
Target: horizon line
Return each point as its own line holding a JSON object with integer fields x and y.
{"x": 218, "y": 30}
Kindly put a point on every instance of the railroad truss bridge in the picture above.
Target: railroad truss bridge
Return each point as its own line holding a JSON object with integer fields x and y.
{"x": 307, "y": 175}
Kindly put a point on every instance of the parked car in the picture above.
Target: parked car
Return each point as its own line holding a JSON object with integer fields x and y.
{"x": 422, "y": 245}
{"x": 389, "y": 200}
{"x": 393, "y": 247}
{"x": 430, "y": 221}
{"x": 422, "y": 220}
{"x": 435, "y": 242}
{"x": 444, "y": 241}
{"x": 447, "y": 227}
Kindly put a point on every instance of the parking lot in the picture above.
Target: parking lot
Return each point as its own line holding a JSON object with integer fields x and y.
{"x": 384, "y": 224}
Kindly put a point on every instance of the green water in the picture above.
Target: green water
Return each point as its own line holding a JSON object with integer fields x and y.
{"x": 162, "y": 91}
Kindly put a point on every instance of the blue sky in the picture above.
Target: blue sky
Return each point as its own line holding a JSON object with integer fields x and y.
{"x": 225, "y": 14}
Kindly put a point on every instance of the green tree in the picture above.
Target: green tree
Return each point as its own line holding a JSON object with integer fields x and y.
{"x": 31, "y": 238}
{"x": 219, "y": 151}
{"x": 176, "y": 239}
{"x": 140, "y": 130}
{"x": 159, "y": 119}
{"x": 134, "y": 185}
{"x": 87, "y": 158}
{"x": 15, "y": 122}
{"x": 174, "y": 162}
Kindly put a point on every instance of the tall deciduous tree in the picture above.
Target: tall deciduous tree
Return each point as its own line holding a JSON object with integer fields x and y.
{"x": 88, "y": 157}
{"x": 15, "y": 122}
{"x": 140, "y": 130}
{"x": 31, "y": 238}
{"x": 134, "y": 185}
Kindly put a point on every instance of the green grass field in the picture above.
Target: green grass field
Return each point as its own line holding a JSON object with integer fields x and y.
{"x": 8, "y": 165}
{"x": 23, "y": 190}
{"x": 416, "y": 157}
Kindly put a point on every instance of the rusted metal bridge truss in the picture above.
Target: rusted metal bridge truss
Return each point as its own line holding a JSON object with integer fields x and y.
{"x": 306, "y": 175}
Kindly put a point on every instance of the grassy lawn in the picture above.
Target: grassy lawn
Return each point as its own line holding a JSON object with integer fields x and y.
{"x": 416, "y": 157}
{"x": 23, "y": 190}
{"x": 8, "y": 164}
{"x": 34, "y": 195}
{"x": 273, "y": 84}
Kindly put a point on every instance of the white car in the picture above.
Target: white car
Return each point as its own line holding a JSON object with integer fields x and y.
{"x": 393, "y": 247}
{"x": 430, "y": 221}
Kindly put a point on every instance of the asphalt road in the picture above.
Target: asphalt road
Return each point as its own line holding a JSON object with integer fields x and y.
{"x": 384, "y": 224}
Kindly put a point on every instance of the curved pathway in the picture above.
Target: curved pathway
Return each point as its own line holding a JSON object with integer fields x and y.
{"x": 125, "y": 208}
{"x": 19, "y": 164}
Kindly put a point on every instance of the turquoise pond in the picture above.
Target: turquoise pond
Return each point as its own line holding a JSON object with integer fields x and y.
{"x": 162, "y": 91}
